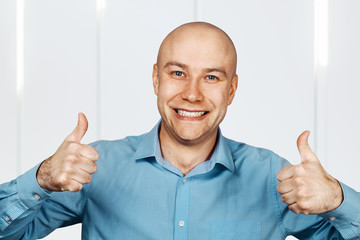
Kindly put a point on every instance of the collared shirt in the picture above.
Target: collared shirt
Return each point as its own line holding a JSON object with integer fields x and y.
{"x": 137, "y": 194}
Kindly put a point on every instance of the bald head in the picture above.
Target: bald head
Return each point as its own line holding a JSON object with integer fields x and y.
{"x": 196, "y": 34}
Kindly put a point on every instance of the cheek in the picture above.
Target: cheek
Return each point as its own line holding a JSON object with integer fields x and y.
{"x": 167, "y": 90}
{"x": 218, "y": 96}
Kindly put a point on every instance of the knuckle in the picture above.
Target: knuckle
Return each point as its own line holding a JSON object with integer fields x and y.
{"x": 299, "y": 181}
{"x": 303, "y": 205}
{"x": 302, "y": 195}
{"x": 305, "y": 212}
{"x": 94, "y": 152}
{"x": 297, "y": 211}
{"x": 89, "y": 178}
{"x": 94, "y": 168}
{"x": 70, "y": 158}
{"x": 75, "y": 187}
{"x": 294, "y": 209}
{"x": 74, "y": 147}
{"x": 86, "y": 179}
{"x": 299, "y": 170}
{"x": 62, "y": 180}
{"x": 67, "y": 168}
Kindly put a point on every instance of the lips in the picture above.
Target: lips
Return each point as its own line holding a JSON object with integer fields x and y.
{"x": 190, "y": 114}
{"x": 184, "y": 113}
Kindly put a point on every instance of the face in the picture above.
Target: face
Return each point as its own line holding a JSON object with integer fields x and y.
{"x": 194, "y": 80}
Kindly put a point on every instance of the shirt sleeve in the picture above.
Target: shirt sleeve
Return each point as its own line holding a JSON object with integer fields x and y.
{"x": 346, "y": 218}
{"x": 29, "y": 212}
{"x": 341, "y": 223}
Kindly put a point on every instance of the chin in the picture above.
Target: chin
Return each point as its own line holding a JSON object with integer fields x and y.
{"x": 189, "y": 135}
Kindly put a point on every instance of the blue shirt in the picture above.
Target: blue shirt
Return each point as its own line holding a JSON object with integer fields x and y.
{"x": 137, "y": 194}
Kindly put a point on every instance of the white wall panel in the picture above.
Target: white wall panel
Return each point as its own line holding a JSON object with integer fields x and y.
{"x": 60, "y": 78}
{"x": 8, "y": 133}
{"x": 274, "y": 102}
{"x": 343, "y": 87}
{"x": 132, "y": 33}
{"x": 275, "y": 97}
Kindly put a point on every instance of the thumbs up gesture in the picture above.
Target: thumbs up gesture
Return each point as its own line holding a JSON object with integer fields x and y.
{"x": 307, "y": 188}
{"x": 71, "y": 165}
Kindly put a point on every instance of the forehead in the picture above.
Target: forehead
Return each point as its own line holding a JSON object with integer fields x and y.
{"x": 198, "y": 48}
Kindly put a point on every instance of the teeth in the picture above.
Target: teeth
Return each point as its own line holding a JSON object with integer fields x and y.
{"x": 190, "y": 114}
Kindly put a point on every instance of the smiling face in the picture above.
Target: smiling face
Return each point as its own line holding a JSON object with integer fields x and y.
{"x": 194, "y": 80}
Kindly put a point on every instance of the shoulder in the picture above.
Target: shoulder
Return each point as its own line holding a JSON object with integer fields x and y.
{"x": 241, "y": 150}
{"x": 245, "y": 154}
{"x": 125, "y": 146}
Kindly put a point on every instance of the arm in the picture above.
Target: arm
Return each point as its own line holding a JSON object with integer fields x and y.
{"x": 50, "y": 195}
{"x": 321, "y": 207}
{"x": 29, "y": 212}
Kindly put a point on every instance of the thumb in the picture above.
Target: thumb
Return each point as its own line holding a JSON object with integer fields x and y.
{"x": 305, "y": 151}
{"x": 78, "y": 133}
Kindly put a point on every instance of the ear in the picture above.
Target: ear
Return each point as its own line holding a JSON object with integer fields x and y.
{"x": 155, "y": 77}
{"x": 233, "y": 87}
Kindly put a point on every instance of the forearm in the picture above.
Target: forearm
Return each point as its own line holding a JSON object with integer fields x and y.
{"x": 20, "y": 200}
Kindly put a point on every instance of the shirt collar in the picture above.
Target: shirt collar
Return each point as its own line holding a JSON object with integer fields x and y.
{"x": 150, "y": 147}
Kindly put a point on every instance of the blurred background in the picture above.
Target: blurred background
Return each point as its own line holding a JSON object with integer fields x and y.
{"x": 298, "y": 67}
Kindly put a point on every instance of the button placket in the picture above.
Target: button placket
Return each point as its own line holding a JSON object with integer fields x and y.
{"x": 181, "y": 209}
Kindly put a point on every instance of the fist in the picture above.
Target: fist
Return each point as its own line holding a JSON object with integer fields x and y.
{"x": 71, "y": 165}
{"x": 307, "y": 188}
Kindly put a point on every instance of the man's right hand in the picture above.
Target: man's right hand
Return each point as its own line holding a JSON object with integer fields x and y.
{"x": 71, "y": 165}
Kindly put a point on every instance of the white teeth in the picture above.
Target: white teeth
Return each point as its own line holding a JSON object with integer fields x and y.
{"x": 190, "y": 114}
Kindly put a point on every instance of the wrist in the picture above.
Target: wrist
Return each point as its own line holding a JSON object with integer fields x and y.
{"x": 42, "y": 173}
{"x": 337, "y": 195}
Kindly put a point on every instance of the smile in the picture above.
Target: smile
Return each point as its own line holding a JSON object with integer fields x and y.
{"x": 184, "y": 113}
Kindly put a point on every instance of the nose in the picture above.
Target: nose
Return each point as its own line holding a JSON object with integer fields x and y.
{"x": 192, "y": 91}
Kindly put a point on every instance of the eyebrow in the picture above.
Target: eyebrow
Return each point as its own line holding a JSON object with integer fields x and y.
{"x": 220, "y": 70}
{"x": 207, "y": 70}
{"x": 180, "y": 65}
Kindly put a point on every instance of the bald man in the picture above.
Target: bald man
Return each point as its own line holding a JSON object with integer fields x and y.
{"x": 183, "y": 179}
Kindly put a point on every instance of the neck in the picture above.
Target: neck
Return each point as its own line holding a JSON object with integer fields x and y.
{"x": 185, "y": 156}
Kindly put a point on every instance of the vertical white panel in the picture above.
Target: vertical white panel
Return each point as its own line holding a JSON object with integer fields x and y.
{"x": 8, "y": 131}
{"x": 60, "y": 79}
{"x": 132, "y": 33}
{"x": 275, "y": 97}
{"x": 343, "y": 86}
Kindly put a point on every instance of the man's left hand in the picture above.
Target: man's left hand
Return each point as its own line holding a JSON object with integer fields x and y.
{"x": 307, "y": 188}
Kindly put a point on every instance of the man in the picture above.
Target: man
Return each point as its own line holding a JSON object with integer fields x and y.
{"x": 182, "y": 180}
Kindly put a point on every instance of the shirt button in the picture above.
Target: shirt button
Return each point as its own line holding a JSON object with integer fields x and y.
{"x": 184, "y": 180}
{"x": 7, "y": 218}
{"x": 332, "y": 218}
{"x": 181, "y": 223}
{"x": 37, "y": 197}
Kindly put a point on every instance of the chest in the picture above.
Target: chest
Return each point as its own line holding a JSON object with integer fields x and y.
{"x": 158, "y": 204}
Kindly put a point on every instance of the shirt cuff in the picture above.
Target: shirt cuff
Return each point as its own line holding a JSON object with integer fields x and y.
{"x": 346, "y": 218}
{"x": 29, "y": 189}
{"x": 29, "y": 195}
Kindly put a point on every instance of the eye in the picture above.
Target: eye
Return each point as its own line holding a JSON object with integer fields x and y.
{"x": 212, "y": 77}
{"x": 178, "y": 74}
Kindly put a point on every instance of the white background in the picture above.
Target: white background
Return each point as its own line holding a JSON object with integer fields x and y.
{"x": 78, "y": 60}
